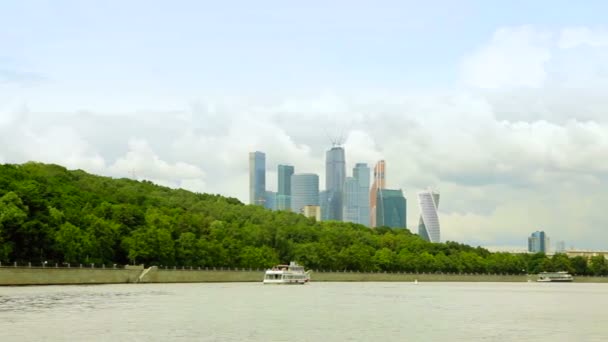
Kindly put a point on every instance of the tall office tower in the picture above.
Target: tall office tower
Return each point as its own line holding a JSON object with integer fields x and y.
{"x": 538, "y": 242}
{"x": 351, "y": 204}
{"x": 335, "y": 175}
{"x": 560, "y": 246}
{"x": 428, "y": 224}
{"x": 271, "y": 200}
{"x": 391, "y": 208}
{"x": 304, "y": 191}
{"x": 361, "y": 175}
{"x": 257, "y": 178}
{"x": 379, "y": 183}
{"x": 284, "y": 185}
{"x": 356, "y": 195}
{"x": 323, "y": 203}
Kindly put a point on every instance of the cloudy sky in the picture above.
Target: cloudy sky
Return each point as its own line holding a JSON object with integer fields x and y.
{"x": 501, "y": 105}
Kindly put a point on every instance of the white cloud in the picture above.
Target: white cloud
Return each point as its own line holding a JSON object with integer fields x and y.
{"x": 515, "y": 57}
{"x": 573, "y": 37}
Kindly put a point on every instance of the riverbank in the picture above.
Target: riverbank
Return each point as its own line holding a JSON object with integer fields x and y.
{"x": 12, "y": 276}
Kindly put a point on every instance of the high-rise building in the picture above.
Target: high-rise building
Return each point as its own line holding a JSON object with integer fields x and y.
{"x": 428, "y": 224}
{"x": 304, "y": 191}
{"x": 391, "y": 209}
{"x": 323, "y": 203}
{"x": 379, "y": 183}
{"x": 351, "y": 208}
{"x": 560, "y": 246}
{"x": 538, "y": 242}
{"x": 257, "y": 178}
{"x": 284, "y": 187}
{"x": 356, "y": 195}
{"x": 335, "y": 175}
{"x": 271, "y": 200}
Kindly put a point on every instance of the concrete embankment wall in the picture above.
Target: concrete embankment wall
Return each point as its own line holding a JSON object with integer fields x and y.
{"x": 64, "y": 276}
{"x": 137, "y": 274}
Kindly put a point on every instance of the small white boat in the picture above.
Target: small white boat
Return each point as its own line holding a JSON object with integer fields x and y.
{"x": 557, "y": 277}
{"x": 287, "y": 274}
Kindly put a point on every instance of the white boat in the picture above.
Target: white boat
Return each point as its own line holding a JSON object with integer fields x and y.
{"x": 562, "y": 276}
{"x": 287, "y": 274}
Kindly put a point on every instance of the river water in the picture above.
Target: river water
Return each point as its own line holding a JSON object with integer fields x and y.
{"x": 315, "y": 312}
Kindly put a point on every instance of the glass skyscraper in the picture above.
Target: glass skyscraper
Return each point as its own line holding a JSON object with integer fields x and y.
{"x": 391, "y": 208}
{"x": 428, "y": 224}
{"x": 335, "y": 175}
{"x": 257, "y": 178}
{"x": 379, "y": 183}
{"x": 304, "y": 191}
{"x": 284, "y": 187}
{"x": 356, "y": 195}
{"x": 538, "y": 242}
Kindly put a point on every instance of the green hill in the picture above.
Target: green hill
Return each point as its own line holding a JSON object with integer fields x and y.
{"x": 49, "y": 213}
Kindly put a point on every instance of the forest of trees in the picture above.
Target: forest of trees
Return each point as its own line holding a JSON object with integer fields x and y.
{"x": 48, "y": 213}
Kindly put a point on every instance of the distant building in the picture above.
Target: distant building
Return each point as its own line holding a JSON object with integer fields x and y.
{"x": 560, "y": 246}
{"x": 538, "y": 242}
{"x": 257, "y": 178}
{"x": 335, "y": 175}
{"x": 304, "y": 191}
{"x": 313, "y": 211}
{"x": 391, "y": 208}
{"x": 324, "y": 204}
{"x": 284, "y": 187}
{"x": 379, "y": 183}
{"x": 356, "y": 195}
{"x": 271, "y": 200}
{"x": 585, "y": 254}
{"x": 428, "y": 223}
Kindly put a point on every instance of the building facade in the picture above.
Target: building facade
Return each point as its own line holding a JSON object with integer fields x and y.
{"x": 304, "y": 191}
{"x": 356, "y": 195}
{"x": 335, "y": 176}
{"x": 313, "y": 211}
{"x": 391, "y": 208}
{"x": 257, "y": 178}
{"x": 284, "y": 187}
{"x": 428, "y": 224}
{"x": 538, "y": 242}
{"x": 378, "y": 183}
{"x": 271, "y": 200}
{"x": 323, "y": 203}
{"x": 351, "y": 193}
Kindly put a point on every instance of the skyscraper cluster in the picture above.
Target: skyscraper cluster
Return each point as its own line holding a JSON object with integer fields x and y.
{"x": 348, "y": 198}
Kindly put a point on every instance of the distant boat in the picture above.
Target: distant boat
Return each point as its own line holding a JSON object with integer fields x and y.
{"x": 557, "y": 277}
{"x": 287, "y": 274}
{"x": 415, "y": 281}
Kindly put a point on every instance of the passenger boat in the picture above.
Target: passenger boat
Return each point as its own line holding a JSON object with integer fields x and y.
{"x": 287, "y": 274}
{"x": 562, "y": 276}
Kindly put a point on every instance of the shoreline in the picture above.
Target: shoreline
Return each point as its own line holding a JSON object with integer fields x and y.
{"x": 17, "y": 276}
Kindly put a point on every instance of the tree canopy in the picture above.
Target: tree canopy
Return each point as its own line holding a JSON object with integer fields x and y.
{"x": 49, "y": 213}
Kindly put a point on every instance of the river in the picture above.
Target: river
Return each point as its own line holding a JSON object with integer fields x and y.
{"x": 315, "y": 312}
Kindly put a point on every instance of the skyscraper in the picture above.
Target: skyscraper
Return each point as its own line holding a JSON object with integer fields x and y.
{"x": 379, "y": 183}
{"x": 428, "y": 224}
{"x": 335, "y": 175}
{"x": 323, "y": 203}
{"x": 284, "y": 185}
{"x": 538, "y": 242}
{"x": 304, "y": 191}
{"x": 270, "y": 201}
{"x": 351, "y": 208}
{"x": 356, "y": 195}
{"x": 257, "y": 178}
{"x": 391, "y": 208}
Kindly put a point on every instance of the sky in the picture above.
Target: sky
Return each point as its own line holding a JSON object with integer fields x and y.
{"x": 502, "y": 106}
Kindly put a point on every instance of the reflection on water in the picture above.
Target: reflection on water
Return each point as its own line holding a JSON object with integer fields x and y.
{"x": 315, "y": 312}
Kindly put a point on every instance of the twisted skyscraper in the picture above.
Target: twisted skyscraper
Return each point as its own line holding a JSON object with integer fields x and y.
{"x": 428, "y": 225}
